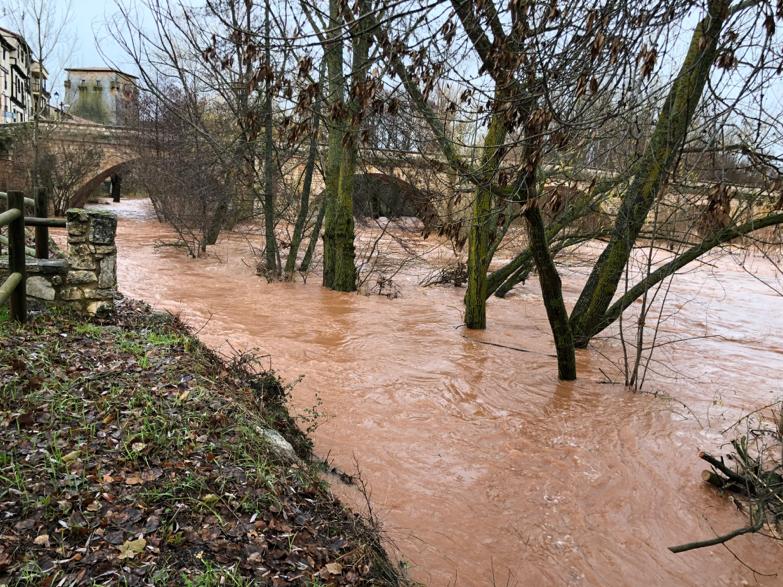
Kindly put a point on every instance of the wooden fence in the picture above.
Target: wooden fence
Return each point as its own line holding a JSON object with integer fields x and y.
{"x": 13, "y": 289}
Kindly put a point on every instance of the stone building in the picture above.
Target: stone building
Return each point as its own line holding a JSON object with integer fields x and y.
{"x": 15, "y": 69}
{"x": 102, "y": 95}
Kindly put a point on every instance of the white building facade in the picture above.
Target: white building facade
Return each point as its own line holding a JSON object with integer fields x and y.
{"x": 16, "y": 98}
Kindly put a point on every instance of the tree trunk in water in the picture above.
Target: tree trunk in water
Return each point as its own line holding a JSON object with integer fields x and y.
{"x": 271, "y": 257}
{"x": 481, "y": 229}
{"x": 478, "y": 245}
{"x": 308, "y": 256}
{"x": 339, "y": 218}
{"x": 333, "y": 55}
{"x": 552, "y": 293}
{"x": 304, "y": 204}
{"x": 215, "y": 225}
{"x": 116, "y": 187}
{"x": 651, "y": 172}
{"x": 344, "y": 276}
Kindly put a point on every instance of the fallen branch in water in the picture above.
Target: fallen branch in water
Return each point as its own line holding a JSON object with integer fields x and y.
{"x": 505, "y": 346}
{"x": 757, "y": 525}
{"x": 755, "y": 477}
{"x": 720, "y": 466}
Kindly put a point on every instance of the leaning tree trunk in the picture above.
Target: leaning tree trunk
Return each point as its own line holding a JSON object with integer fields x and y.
{"x": 651, "y": 172}
{"x": 216, "y": 222}
{"x": 304, "y": 266}
{"x": 552, "y": 293}
{"x": 721, "y": 237}
{"x": 304, "y": 203}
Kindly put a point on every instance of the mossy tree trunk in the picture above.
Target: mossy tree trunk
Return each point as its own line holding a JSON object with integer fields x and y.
{"x": 651, "y": 172}
{"x": 552, "y": 292}
{"x": 548, "y": 276}
{"x": 333, "y": 55}
{"x": 482, "y": 225}
{"x": 339, "y": 252}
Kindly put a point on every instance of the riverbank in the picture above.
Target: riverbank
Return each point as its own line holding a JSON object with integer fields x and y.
{"x": 130, "y": 453}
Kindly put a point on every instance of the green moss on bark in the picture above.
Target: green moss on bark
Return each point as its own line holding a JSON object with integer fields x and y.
{"x": 482, "y": 228}
{"x": 651, "y": 172}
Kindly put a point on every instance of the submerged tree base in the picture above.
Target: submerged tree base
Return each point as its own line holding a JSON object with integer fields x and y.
{"x": 130, "y": 453}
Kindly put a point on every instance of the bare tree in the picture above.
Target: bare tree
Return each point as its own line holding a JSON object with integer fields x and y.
{"x": 64, "y": 168}
{"x": 220, "y": 59}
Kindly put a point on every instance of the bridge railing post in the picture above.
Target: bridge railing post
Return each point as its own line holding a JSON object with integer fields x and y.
{"x": 42, "y": 232}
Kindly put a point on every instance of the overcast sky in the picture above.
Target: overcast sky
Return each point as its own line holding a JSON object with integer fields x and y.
{"x": 90, "y": 38}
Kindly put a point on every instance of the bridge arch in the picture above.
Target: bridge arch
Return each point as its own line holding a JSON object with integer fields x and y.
{"x": 119, "y": 146}
{"x": 381, "y": 194}
{"x": 93, "y": 181}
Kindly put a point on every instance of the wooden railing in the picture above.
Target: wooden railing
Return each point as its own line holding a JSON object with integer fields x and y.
{"x": 13, "y": 289}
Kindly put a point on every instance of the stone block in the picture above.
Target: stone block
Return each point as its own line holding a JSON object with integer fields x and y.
{"x": 72, "y": 294}
{"x": 80, "y": 257}
{"x": 81, "y": 277}
{"x": 102, "y": 294}
{"x": 103, "y": 250}
{"x": 77, "y": 222}
{"x": 40, "y": 287}
{"x": 103, "y": 227}
{"x": 107, "y": 278}
{"x": 87, "y": 263}
{"x": 79, "y": 250}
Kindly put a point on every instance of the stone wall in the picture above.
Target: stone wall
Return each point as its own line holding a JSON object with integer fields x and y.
{"x": 91, "y": 282}
{"x": 87, "y": 278}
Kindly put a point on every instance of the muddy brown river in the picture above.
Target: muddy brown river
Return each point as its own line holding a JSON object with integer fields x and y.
{"x": 483, "y": 468}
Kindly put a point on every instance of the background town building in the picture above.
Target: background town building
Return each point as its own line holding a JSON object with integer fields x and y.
{"x": 16, "y": 64}
{"x": 39, "y": 90}
{"x": 102, "y": 95}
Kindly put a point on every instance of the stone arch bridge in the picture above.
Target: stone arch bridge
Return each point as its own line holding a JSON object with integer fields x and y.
{"x": 117, "y": 146}
{"x": 120, "y": 146}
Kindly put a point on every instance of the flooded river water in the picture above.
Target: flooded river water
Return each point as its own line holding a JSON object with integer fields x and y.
{"x": 482, "y": 466}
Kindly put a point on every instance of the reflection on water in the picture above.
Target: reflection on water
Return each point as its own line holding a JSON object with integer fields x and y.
{"x": 482, "y": 466}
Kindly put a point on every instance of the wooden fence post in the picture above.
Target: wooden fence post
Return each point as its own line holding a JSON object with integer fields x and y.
{"x": 41, "y": 232}
{"x": 16, "y": 260}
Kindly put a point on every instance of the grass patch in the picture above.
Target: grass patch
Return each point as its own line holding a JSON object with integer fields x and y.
{"x": 128, "y": 450}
